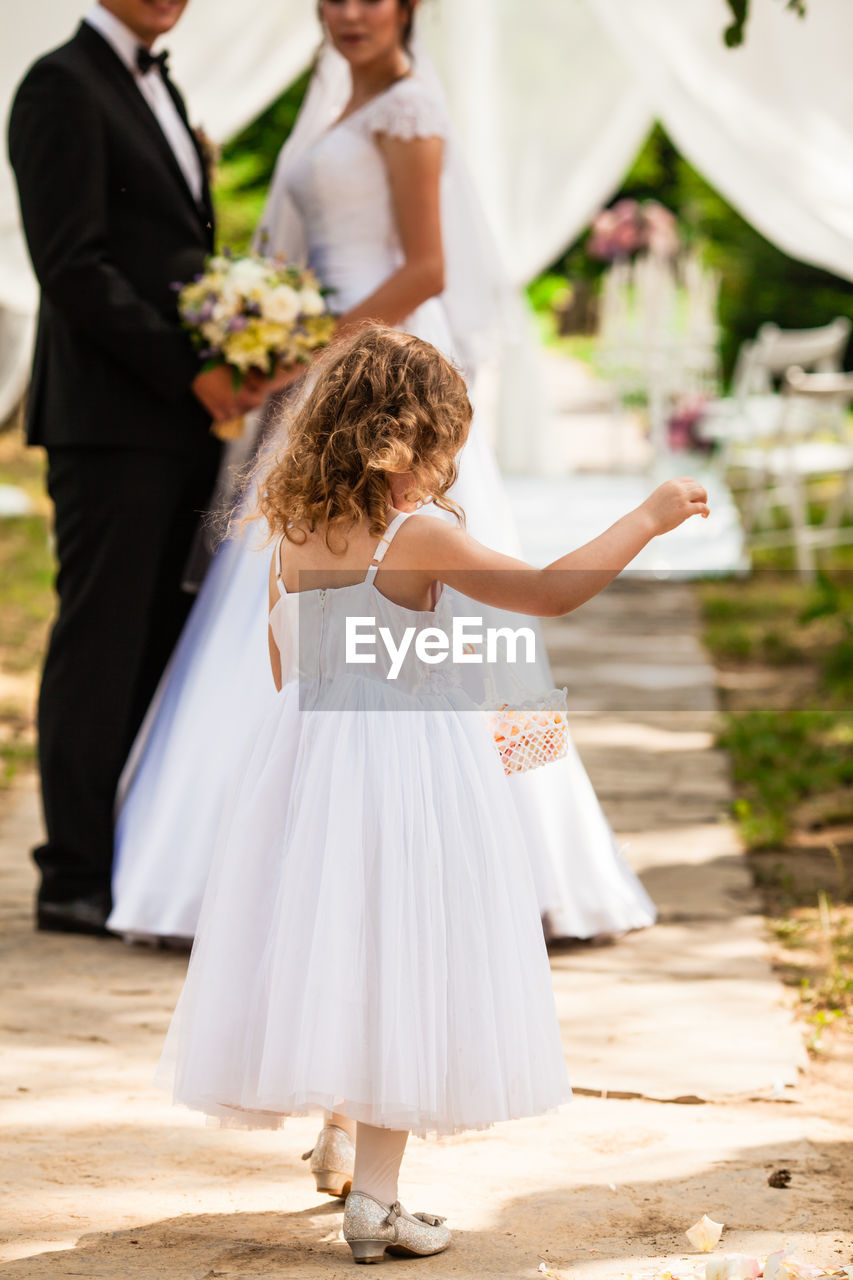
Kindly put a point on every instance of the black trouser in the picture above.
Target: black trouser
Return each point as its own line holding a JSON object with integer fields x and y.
{"x": 124, "y": 523}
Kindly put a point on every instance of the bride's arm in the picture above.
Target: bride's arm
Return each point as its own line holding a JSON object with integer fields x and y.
{"x": 414, "y": 175}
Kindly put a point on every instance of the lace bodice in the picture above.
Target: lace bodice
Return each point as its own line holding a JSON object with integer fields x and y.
{"x": 340, "y": 187}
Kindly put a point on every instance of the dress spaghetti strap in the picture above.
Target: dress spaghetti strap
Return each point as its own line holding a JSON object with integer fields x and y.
{"x": 378, "y": 555}
{"x": 282, "y": 589}
{"x": 384, "y": 543}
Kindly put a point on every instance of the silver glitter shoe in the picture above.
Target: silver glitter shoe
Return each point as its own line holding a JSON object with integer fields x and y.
{"x": 372, "y": 1228}
{"x": 332, "y": 1160}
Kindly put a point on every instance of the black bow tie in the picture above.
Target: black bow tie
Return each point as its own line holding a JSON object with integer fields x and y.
{"x": 145, "y": 60}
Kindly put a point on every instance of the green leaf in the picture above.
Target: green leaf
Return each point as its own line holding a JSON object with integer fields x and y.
{"x": 734, "y": 34}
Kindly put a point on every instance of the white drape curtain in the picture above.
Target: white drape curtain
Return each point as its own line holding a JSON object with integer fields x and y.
{"x": 28, "y": 32}
{"x": 549, "y": 111}
{"x": 770, "y": 124}
{"x": 552, "y": 98}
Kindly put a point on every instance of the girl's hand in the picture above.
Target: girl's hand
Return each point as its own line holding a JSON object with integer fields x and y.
{"x": 435, "y": 549}
{"x": 674, "y": 502}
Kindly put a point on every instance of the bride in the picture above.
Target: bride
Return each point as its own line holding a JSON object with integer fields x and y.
{"x": 371, "y": 191}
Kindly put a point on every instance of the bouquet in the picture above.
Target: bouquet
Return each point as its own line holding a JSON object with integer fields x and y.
{"x": 630, "y": 227}
{"x": 252, "y": 314}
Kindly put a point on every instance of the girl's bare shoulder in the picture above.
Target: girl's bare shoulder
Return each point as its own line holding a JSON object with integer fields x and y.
{"x": 424, "y": 536}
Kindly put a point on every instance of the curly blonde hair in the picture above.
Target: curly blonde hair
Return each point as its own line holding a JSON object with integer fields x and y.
{"x": 382, "y": 403}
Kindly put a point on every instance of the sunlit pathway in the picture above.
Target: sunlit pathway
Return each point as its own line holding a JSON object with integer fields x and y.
{"x": 104, "y": 1179}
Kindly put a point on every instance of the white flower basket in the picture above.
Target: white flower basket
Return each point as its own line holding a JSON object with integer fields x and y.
{"x": 532, "y": 733}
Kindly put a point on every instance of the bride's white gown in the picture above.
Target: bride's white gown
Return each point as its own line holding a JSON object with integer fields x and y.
{"x": 218, "y": 685}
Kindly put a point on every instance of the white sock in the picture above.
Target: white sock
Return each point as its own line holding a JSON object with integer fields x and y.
{"x": 378, "y": 1156}
{"x": 343, "y": 1122}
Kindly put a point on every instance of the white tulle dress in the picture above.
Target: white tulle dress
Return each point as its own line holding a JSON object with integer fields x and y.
{"x": 217, "y": 688}
{"x": 381, "y": 956}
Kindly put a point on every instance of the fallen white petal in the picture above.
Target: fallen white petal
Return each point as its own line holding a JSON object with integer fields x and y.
{"x": 789, "y": 1269}
{"x": 704, "y": 1234}
{"x": 771, "y": 1266}
{"x": 733, "y": 1266}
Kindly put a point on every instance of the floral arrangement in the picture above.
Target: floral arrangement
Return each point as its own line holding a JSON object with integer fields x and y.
{"x": 252, "y": 313}
{"x": 630, "y": 227}
{"x": 684, "y": 425}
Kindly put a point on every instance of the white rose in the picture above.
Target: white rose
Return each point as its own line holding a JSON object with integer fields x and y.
{"x": 246, "y": 274}
{"x": 213, "y": 333}
{"x": 225, "y": 309}
{"x": 281, "y": 305}
{"x": 311, "y": 302}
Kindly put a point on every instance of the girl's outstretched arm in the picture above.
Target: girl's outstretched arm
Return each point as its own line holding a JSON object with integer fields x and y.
{"x": 441, "y": 551}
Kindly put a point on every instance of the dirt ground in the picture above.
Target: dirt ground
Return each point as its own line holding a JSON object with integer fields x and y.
{"x": 104, "y": 1179}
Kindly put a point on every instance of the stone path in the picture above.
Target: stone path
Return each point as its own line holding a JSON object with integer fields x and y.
{"x": 644, "y": 712}
{"x": 105, "y": 1180}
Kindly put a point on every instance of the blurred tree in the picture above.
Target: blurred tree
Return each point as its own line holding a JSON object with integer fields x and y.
{"x": 246, "y": 166}
{"x": 759, "y": 282}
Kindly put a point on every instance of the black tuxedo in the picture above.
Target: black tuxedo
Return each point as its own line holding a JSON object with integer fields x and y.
{"x": 111, "y": 224}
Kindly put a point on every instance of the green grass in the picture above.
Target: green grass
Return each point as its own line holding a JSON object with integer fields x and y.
{"x": 794, "y": 743}
{"x": 15, "y": 755}
{"x": 776, "y": 619}
{"x": 782, "y": 758}
{"x": 792, "y": 766}
{"x": 26, "y": 604}
{"x": 26, "y": 599}
{"x": 26, "y": 607}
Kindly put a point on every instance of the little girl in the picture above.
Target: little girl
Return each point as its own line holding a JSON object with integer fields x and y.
{"x": 370, "y": 941}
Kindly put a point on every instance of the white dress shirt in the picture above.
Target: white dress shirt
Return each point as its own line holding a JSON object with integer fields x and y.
{"x": 151, "y": 86}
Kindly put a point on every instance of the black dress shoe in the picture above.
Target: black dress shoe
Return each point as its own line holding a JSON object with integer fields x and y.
{"x": 79, "y": 915}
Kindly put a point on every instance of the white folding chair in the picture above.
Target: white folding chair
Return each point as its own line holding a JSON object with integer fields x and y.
{"x": 753, "y": 410}
{"x": 812, "y": 443}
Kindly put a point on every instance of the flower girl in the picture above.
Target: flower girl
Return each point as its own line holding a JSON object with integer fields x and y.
{"x": 370, "y": 942}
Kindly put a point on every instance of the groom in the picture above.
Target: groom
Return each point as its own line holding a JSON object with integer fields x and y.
{"x": 116, "y": 207}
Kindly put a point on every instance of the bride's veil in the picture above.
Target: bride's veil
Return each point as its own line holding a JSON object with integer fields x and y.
{"x": 482, "y": 308}
{"x": 280, "y": 230}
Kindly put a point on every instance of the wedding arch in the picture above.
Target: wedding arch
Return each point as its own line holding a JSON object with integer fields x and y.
{"x": 552, "y": 99}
